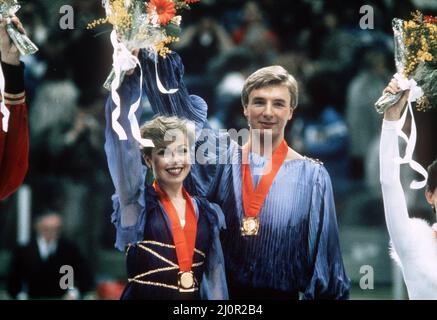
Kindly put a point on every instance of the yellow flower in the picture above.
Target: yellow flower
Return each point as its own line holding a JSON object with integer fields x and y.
{"x": 162, "y": 48}
{"x": 119, "y": 17}
{"x": 411, "y": 24}
{"x": 424, "y": 56}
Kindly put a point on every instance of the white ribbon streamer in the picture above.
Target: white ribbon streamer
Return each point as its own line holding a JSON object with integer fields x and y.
{"x": 415, "y": 93}
{"x": 3, "y": 109}
{"x": 117, "y": 57}
{"x": 158, "y": 82}
{"x": 135, "y": 128}
{"x": 124, "y": 60}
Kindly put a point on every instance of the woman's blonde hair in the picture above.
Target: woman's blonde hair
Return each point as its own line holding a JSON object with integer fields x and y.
{"x": 163, "y": 130}
{"x": 270, "y": 76}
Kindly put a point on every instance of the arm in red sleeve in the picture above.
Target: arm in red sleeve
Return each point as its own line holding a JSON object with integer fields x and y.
{"x": 14, "y": 144}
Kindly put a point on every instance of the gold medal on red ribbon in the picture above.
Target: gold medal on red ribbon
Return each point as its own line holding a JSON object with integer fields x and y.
{"x": 254, "y": 199}
{"x": 184, "y": 238}
{"x": 187, "y": 281}
{"x": 249, "y": 226}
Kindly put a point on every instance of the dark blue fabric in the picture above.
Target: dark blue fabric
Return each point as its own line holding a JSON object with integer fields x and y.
{"x": 157, "y": 230}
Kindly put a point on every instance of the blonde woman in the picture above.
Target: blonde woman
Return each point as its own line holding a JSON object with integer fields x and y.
{"x": 171, "y": 238}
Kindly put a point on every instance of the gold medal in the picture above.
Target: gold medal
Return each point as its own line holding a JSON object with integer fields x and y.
{"x": 186, "y": 281}
{"x": 250, "y": 226}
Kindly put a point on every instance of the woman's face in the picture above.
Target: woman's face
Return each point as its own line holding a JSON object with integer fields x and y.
{"x": 171, "y": 164}
{"x": 431, "y": 197}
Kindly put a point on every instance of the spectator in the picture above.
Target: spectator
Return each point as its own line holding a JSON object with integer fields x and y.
{"x": 35, "y": 268}
{"x": 363, "y": 91}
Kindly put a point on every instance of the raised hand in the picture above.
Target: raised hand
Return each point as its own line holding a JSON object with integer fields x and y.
{"x": 394, "y": 112}
{"x": 8, "y": 50}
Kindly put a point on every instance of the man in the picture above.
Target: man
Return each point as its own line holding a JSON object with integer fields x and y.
{"x": 35, "y": 271}
{"x": 14, "y": 144}
{"x": 281, "y": 238}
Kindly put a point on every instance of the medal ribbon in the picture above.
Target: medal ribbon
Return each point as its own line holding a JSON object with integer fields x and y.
{"x": 254, "y": 199}
{"x": 184, "y": 238}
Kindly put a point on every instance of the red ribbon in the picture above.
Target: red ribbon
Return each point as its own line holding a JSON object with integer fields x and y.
{"x": 183, "y": 238}
{"x": 254, "y": 199}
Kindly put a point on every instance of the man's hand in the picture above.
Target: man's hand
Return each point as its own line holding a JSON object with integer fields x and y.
{"x": 394, "y": 112}
{"x": 8, "y": 50}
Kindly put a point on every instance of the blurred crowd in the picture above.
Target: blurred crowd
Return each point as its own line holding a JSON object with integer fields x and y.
{"x": 341, "y": 69}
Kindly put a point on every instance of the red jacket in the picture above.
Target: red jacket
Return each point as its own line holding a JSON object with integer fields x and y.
{"x": 14, "y": 144}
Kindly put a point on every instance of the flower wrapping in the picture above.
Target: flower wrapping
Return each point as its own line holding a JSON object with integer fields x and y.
{"x": 137, "y": 24}
{"x": 416, "y": 58}
{"x": 416, "y": 62}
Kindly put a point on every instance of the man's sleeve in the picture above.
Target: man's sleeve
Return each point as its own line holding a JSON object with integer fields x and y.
{"x": 328, "y": 279}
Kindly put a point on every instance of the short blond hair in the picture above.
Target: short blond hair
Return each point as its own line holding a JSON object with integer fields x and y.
{"x": 157, "y": 128}
{"x": 270, "y": 76}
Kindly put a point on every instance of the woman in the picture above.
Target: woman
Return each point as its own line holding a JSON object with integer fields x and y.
{"x": 150, "y": 220}
{"x": 414, "y": 242}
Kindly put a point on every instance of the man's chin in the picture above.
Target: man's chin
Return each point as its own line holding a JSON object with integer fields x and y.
{"x": 267, "y": 134}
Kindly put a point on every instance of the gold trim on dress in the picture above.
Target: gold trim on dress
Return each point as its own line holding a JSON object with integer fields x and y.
{"x": 158, "y": 284}
{"x": 168, "y": 246}
{"x": 158, "y": 255}
{"x": 172, "y": 265}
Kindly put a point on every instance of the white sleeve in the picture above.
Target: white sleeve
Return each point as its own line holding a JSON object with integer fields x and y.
{"x": 395, "y": 205}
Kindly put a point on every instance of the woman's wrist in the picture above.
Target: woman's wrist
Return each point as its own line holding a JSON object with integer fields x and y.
{"x": 392, "y": 115}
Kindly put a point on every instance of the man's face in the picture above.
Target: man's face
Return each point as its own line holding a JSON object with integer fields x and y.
{"x": 49, "y": 228}
{"x": 269, "y": 110}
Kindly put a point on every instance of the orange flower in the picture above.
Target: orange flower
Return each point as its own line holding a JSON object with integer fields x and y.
{"x": 429, "y": 19}
{"x": 191, "y": 1}
{"x": 165, "y": 9}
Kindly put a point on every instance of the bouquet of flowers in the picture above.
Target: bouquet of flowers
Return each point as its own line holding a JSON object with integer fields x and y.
{"x": 138, "y": 24}
{"x": 416, "y": 61}
{"x": 416, "y": 64}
